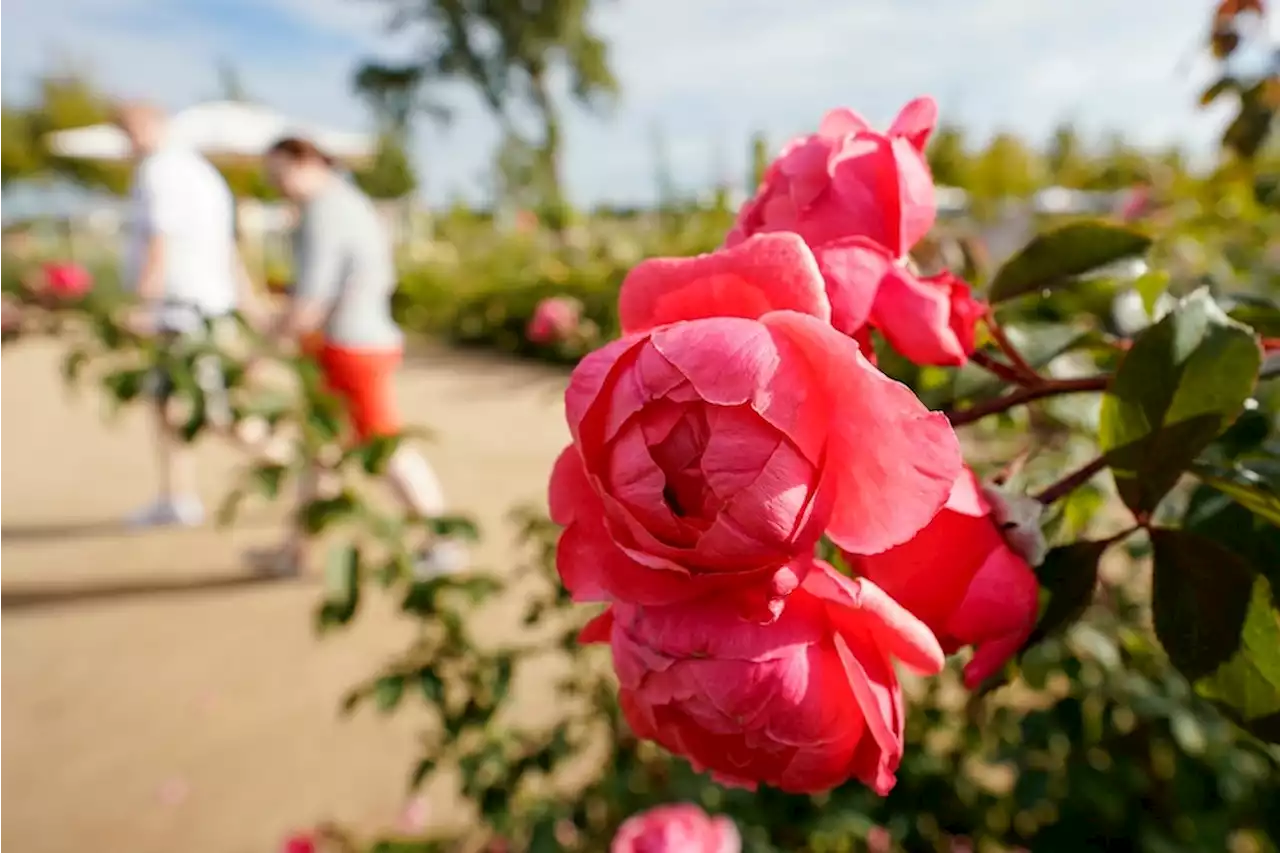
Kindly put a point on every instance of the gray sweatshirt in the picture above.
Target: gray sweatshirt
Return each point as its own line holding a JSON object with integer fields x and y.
{"x": 344, "y": 261}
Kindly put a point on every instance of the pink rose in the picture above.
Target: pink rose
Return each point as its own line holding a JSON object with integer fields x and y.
{"x": 67, "y": 280}
{"x": 728, "y": 429}
{"x": 802, "y": 704}
{"x": 959, "y": 577}
{"x": 849, "y": 180}
{"x": 554, "y": 319}
{"x": 861, "y": 200}
{"x": 930, "y": 320}
{"x": 679, "y": 828}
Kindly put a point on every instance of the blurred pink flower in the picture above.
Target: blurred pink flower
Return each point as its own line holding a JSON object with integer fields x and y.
{"x": 67, "y": 280}
{"x": 677, "y": 828}
{"x": 555, "y": 319}
{"x": 299, "y": 842}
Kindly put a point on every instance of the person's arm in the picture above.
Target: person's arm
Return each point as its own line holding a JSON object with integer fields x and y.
{"x": 157, "y": 214}
{"x": 319, "y": 263}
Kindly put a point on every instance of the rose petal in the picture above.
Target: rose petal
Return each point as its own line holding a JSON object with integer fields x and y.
{"x": 915, "y": 317}
{"x": 852, "y": 268}
{"x": 893, "y": 462}
{"x": 896, "y": 630}
{"x": 764, "y": 273}
{"x": 917, "y": 202}
{"x": 916, "y": 122}
{"x": 840, "y": 121}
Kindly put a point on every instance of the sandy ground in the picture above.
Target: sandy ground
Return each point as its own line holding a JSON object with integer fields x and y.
{"x": 157, "y": 697}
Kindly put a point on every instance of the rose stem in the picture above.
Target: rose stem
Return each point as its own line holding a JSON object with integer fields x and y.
{"x": 1046, "y": 388}
{"x": 1071, "y": 482}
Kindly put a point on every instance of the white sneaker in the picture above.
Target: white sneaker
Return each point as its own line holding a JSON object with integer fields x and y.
{"x": 446, "y": 557}
{"x": 184, "y": 511}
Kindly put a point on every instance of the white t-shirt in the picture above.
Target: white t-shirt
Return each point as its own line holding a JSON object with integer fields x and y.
{"x": 180, "y": 195}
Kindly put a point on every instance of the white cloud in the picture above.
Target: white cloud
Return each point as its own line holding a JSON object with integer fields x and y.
{"x": 709, "y": 72}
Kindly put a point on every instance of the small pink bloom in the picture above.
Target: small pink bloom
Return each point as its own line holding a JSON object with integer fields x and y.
{"x": 554, "y": 319}
{"x": 930, "y": 320}
{"x": 67, "y": 280}
{"x": 731, "y": 426}
{"x": 802, "y": 704}
{"x": 299, "y": 842}
{"x": 849, "y": 180}
{"x": 959, "y": 577}
{"x": 679, "y": 828}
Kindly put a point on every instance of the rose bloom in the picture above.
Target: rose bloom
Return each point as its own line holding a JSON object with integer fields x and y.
{"x": 802, "y": 704}
{"x": 678, "y": 828}
{"x": 861, "y": 199}
{"x": 960, "y": 577}
{"x": 554, "y": 319}
{"x": 67, "y": 280}
{"x": 731, "y": 425}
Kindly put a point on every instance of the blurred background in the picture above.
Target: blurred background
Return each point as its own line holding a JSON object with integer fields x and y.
{"x": 157, "y": 697}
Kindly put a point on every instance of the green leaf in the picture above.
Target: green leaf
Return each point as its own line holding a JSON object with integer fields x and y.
{"x": 266, "y": 479}
{"x": 323, "y": 513}
{"x": 73, "y": 365}
{"x": 1247, "y": 485}
{"x": 432, "y": 687}
{"x": 342, "y": 586}
{"x": 1151, "y": 286}
{"x": 1214, "y": 515}
{"x": 1069, "y": 575}
{"x": 1184, "y": 380}
{"x": 230, "y": 507}
{"x": 1057, "y": 256}
{"x": 387, "y": 691}
{"x": 376, "y": 453}
{"x": 424, "y": 769}
{"x": 453, "y": 526}
{"x": 1218, "y": 88}
{"x": 1257, "y": 312}
{"x": 1218, "y": 622}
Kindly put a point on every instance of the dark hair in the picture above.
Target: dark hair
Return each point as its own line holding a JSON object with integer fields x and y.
{"x": 300, "y": 150}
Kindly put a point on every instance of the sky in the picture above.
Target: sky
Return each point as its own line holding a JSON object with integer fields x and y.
{"x": 703, "y": 74}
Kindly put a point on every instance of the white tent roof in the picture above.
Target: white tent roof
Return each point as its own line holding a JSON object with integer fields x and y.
{"x": 216, "y": 128}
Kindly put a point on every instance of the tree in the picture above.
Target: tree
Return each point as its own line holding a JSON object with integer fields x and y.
{"x": 231, "y": 84}
{"x": 948, "y": 159}
{"x": 508, "y": 52}
{"x": 391, "y": 174}
{"x": 1006, "y": 168}
{"x": 759, "y": 161}
{"x": 20, "y": 155}
{"x": 68, "y": 100}
{"x": 1066, "y": 159}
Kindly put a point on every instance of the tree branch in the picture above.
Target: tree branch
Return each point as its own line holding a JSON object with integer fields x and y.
{"x": 1021, "y": 368}
{"x": 1047, "y": 388}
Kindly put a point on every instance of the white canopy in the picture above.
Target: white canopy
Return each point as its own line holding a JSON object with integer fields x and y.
{"x": 216, "y": 129}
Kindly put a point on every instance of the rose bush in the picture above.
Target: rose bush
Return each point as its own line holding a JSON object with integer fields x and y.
{"x": 727, "y": 430}
{"x": 803, "y": 703}
{"x": 678, "y": 828}
{"x": 862, "y": 200}
{"x": 960, "y": 577}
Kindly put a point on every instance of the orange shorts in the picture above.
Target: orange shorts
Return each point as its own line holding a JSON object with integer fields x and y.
{"x": 364, "y": 380}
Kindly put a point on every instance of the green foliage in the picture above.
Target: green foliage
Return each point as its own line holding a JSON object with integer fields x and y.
{"x": 1183, "y": 382}
{"x": 391, "y": 174}
{"x": 1058, "y": 256}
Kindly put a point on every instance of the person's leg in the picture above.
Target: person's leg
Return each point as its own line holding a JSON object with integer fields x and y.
{"x": 372, "y": 404}
{"x": 177, "y": 501}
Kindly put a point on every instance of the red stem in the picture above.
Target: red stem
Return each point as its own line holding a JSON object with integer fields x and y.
{"x": 1020, "y": 366}
{"x": 1046, "y": 388}
{"x": 1071, "y": 482}
{"x": 997, "y": 368}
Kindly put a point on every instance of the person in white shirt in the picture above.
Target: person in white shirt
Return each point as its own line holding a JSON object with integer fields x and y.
{"x": 185, "y": 269}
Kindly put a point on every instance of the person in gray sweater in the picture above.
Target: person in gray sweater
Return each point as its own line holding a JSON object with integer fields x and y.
{"x": 340, "y": 314}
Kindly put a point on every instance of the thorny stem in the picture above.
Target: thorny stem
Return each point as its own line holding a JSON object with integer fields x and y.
{"x": 1047, "y": 388}
{"x": 1071, "y": 482}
